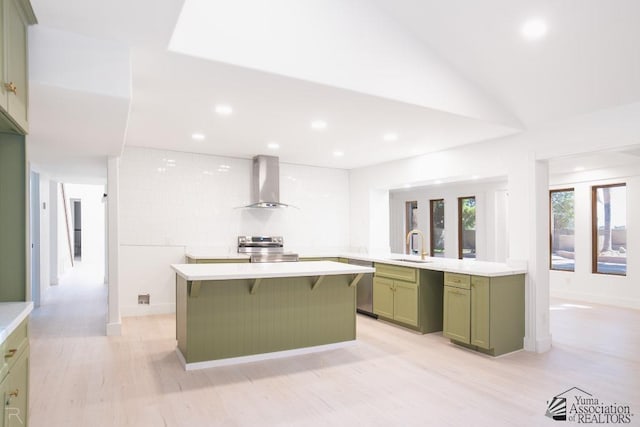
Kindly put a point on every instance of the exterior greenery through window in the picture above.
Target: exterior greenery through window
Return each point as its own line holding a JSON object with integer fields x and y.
{"x": 562, "y": 205}
{"x": 467, "y": 227}
{"x": 609, "y": 229}
{"x": 437, "y": 227}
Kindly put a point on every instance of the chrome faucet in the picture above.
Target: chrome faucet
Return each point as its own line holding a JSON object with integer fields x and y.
{"x": 416, "y": 231}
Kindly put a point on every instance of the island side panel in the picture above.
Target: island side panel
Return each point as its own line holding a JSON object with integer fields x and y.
{"x": 225, "y": 320}
{"x": 181, "y": 313}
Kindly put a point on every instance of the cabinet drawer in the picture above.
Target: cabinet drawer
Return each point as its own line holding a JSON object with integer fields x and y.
{"x": 16, "y": 343}
{"x": 407, "y": 274}
{"x": 457, "y": 280}
{"x": 479, "y": 281}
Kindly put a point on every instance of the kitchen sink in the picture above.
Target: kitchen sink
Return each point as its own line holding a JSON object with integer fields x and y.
{"x": 419, "y": 261}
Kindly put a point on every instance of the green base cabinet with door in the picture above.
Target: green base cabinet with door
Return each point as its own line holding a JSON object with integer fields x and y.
{"x": 14, "y": 377}
{"x": 410, "y": 297}
{"x": 485, "y": 314}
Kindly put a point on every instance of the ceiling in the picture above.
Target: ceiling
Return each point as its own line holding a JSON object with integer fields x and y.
{"x": 437, "y": 74}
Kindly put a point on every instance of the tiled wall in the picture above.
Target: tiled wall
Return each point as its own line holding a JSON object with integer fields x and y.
{"x": 171, "y": 201}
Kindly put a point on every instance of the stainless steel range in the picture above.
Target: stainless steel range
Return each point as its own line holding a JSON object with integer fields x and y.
{"x": 265, "y": 249}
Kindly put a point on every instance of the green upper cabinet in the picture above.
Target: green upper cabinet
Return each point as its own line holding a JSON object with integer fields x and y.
{"x": 408, "y": 296}
{"x": 17, "y": 15}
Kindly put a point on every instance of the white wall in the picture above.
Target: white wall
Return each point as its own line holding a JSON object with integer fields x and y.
{"x": 45, "y": 209}
{"x": 171, "y": 202}
{"x": 490, "y": 240}
{"x": 582, "y": 284}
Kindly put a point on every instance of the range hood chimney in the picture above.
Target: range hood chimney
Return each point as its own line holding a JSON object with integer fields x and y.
{"x": 265, "y": 183}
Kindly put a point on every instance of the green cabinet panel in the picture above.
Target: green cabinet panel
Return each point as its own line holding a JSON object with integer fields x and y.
{"x": 16, "y": 16}
{"x": 457, "y": 315}
{"x": 480, "y": 312}
{"x": 409, "y": 296}
{"x": 13, "y": 231}
{"x": 405, "y": 303}
{"x": 383, "y": 297}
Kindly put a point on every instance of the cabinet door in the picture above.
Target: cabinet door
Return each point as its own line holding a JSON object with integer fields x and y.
{"x": 383, "y": 297}
{"x": 3, "y": 77}
{"x": 16, "y": 393}
{"x": 480, "y": 309}
{"x": 16, "y": 66}
{"x": 457, "y": 314}
{"x": 405, "y": 303}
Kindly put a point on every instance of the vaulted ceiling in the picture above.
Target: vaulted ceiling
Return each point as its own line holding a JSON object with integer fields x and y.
{"x": 390, "y": 78}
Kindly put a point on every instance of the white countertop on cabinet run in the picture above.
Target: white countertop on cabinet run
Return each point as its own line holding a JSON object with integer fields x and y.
{"x": 11, "y": 315}
{"x": 233, "y": 271}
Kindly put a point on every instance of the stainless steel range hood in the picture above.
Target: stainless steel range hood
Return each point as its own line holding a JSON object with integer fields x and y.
{"x": 265, "y": 183}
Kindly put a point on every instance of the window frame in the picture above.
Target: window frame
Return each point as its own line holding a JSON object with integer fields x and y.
{"x": 594, "y": 228}
{"x": 460, "y": 230}
{"x": 431, "y": 227}
{"x": 559, "y": 190}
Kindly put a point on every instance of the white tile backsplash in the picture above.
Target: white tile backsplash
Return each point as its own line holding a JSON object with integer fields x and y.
{"x": 178, "y": 201}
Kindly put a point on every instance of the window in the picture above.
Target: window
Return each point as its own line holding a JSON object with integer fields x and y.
{"x": 411, "y": 223}
{"x": 609, "y": 229}
{"x": 562, "y": 229}
{"x": 467, "y": 227}
{"x": 437, "y": 227}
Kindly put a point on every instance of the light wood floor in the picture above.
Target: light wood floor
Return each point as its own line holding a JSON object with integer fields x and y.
{"x": 392, "y": 377}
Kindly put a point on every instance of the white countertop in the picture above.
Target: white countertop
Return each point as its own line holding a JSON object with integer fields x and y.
{"x": 11, "y": 315}
{"x": 233, "y": 271}
{"x": 450, "y": 265}
{"x": 467, "y": 266}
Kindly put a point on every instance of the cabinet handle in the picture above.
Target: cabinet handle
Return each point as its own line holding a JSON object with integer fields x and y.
{"x": 10, "y": 353}
{"x": 11, "y": 87}
{"x": 14, "y": 393}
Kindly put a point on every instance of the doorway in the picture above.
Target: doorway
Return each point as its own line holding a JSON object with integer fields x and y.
{"x": 76, "y": 219}
{"x": 34, "y": 218}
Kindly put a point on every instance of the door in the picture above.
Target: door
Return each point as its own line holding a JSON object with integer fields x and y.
{"x": 457, "y": 314}
{"x": 480, "y": 309}
{"x": 405, "y": 303}
{"x": 383, "y": 297}
{"x": 16, "y": 392}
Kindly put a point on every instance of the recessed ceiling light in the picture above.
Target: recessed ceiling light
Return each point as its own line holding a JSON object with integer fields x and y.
{"x": 438, "y": 181}
{"x": 534, "y": 29}
{"x": 223, "y": 109}
{"x": 198, "y": 136}
{"x": 318, "y": 124}
{"x": 578, "y": 168}
{"x": 474, "y": 177}
{"x": 390, "y": 136}
{"x": 273, "y": 145}
{"x": 338, "y": 153}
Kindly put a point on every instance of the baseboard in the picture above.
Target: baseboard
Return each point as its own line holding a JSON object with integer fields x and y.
{"x": 260, "y": 357}
{"x": 596, "y": 299}
{"x": 114, "y": 329}
{"x": 147, "y": 309}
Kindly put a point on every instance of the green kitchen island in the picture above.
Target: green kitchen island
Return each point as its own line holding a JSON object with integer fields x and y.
{"x": 241, "y": 312}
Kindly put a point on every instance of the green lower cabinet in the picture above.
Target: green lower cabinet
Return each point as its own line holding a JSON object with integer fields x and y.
{"x": 457, "y": 314}
{"x": 383, "y": 297}
{"x": 15, "y": 394}
{"x": 484, "y": 313}
{"x": 405, "y": 303}
{"x": 408, "y": 296}
{"x": 480, "y": 312}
